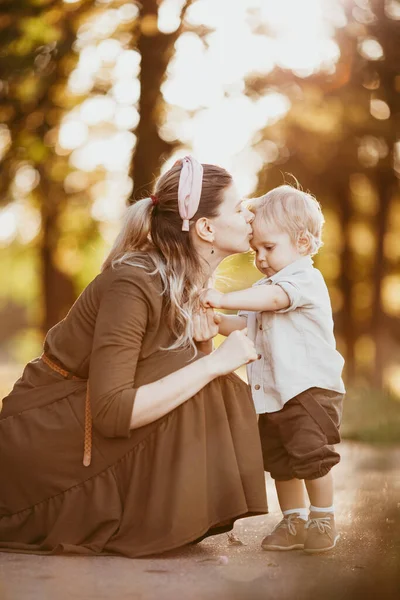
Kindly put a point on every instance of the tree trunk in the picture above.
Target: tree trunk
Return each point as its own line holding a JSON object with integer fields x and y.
{"x": 385, "y": 183}
{"x": 156, "y": 50}
{"x": 57, "y": 288}
{"x": 348, "y": 330}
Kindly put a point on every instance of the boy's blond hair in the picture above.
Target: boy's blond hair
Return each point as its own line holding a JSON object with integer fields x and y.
{"x": 294, "y": 211}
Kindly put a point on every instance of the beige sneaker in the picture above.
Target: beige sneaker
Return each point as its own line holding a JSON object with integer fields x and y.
{"x": 289, "y": 534}
{"x": 321, "y": 532}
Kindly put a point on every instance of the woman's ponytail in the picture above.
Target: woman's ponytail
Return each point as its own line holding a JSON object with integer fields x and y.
{"x": 134, "y": 234}
{"x": 151, "y": 238}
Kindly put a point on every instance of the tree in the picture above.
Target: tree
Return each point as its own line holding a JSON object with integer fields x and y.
{"x": 40, "y": 50}
{"x": 337, "y": 133}
{"x": 156, "y": 50}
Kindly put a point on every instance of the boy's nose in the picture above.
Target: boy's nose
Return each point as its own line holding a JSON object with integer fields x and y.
{"x": 262, "y": 259}
{"x": 261, "y": 255}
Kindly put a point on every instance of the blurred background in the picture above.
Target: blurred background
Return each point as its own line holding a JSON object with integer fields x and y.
{"x": 97, "y": 97}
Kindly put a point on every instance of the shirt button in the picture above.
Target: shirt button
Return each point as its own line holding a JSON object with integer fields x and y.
{"x": 258, "y": 356}
{"x": 257, "y": 387}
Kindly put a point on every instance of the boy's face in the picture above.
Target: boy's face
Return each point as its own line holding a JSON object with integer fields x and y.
{"x": 274, "y": 248}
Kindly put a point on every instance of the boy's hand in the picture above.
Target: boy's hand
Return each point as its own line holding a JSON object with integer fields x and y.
{"x": 211, "y": 298}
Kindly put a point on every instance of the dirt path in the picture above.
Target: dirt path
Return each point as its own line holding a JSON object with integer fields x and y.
{"x": 365, "y": 565}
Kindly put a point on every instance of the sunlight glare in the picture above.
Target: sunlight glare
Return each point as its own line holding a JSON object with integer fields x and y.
{"x": 392, "y": 380}
{"x": 379, "y": 109}
{"x": 112, "y": 152}
{"x": 126, "y": 117}
{"x": 97, "y": 109}
{"x": 8, "y": 225}
{"x": 391, "y": 295}
{"x": 371, "y": 49}
{"x": 127, "y": 64}
{"x": 392, "y": 9}
{"x": 5, "y": 140}
{"x": 205, "y": 84}
{"x": 168, "y": 15}
{"x": 108, "y": 50}
{"x": 126, "y": 91}
{"x": 72, "y": 134}
{"x": 26, "y": 179}
{"x": 128, "y": 12}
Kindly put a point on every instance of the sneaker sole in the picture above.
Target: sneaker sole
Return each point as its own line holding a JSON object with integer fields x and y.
{"x": 284, "y": 548}
{"x": 319, "y": 550}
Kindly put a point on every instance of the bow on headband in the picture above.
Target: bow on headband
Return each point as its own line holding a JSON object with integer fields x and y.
{"x": 189, "y": 190}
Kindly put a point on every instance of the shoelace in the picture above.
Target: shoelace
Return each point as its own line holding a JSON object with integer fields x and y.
{"x": 323, "y": 523}
{"x": 287, "y": 523}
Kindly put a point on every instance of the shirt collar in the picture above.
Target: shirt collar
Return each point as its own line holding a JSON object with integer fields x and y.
{"x": 305, "y": 262}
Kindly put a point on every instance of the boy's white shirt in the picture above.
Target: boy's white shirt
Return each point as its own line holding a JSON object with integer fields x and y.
{"x": 296, "y": 344}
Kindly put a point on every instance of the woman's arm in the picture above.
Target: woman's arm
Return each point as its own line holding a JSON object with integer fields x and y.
{"x": 259, "y": 299}
{"x": 205, "y": 347}
{"x": 121, "y": 323}
{"x": 155, "y": 400}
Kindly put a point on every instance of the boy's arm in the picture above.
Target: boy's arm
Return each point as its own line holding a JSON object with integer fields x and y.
{"x": 229, "y": 323}
{"x": 258, "y": 299}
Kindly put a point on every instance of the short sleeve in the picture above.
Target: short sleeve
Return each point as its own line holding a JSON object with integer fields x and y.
{"x": 243, "y": 313}
{"x": 120, "y": 327}
{"x": 298, "y": 292}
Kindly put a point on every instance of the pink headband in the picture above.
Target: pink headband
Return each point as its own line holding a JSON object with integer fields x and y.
{"x": 189, "y": 191}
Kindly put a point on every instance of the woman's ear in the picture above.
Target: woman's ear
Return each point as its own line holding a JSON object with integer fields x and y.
{"x": 205, "y": 229}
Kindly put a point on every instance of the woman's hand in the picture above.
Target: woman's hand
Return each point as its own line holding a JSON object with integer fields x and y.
{"x": 235, "y": 351}
{"x": 205, "y": 325}
{"x": 211, "y": 298}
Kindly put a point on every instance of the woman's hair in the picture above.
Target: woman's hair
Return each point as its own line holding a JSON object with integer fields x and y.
{"x": 294, "y": 211}
{"x": 151, "y": 237}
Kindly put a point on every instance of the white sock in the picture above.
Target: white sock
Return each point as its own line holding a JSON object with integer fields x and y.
{"x": 324, "y": 509}
{"x": 303, "y": 512}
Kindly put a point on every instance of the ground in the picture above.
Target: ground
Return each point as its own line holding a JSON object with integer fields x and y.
{"x": 365, "y": 564}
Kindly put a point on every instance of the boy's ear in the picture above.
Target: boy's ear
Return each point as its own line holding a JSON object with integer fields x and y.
{"x": 303, "y": 243}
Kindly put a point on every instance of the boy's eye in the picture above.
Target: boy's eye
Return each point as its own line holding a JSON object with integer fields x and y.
{"x": 269, "y": 247}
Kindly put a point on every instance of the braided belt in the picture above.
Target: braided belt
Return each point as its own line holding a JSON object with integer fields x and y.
{"x": 87, "y": 449}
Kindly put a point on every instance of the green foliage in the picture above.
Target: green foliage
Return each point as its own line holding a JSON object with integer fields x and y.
{"x": 371, "y": 416}
{"x": 25, "y": 345}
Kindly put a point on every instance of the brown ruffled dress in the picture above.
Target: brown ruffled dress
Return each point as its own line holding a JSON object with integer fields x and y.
{"x": 187, "y": 475}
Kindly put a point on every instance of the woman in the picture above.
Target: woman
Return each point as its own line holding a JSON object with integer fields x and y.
{"x": 174, "y": 453}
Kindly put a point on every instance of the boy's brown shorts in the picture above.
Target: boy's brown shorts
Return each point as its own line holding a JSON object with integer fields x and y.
{"x": 297, "y": 441}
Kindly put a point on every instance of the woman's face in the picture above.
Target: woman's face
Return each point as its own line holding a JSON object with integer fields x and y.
{"x": 232, "y": 226}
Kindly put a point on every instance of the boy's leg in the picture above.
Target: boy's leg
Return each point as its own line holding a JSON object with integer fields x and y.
{"x": 312, "y": 457}
{"x": 321, "y": 527}
{"x": 291, "y": 495}
{"x": 320, "y": 491}
{"x": 289, "y": 533}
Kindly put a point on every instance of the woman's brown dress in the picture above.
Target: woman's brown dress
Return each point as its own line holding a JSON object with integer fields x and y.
{"x": 146, "y": 490}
